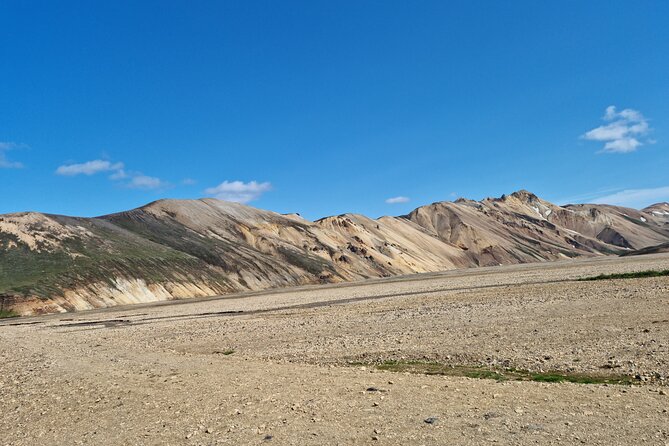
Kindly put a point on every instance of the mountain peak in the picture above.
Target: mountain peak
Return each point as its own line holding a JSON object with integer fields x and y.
{"x": 660, "y": 210}
{"x": 662, "y": 204}
{"x": 524, "y": 195}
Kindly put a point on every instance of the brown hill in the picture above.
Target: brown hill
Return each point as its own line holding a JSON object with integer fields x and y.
{"x": 658, "y": 213}
{"x": 183, "y": 248}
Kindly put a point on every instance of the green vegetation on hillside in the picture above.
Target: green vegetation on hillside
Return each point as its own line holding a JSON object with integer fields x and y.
{"x": 71, "y": 262}
{"x": 7, "y": 313}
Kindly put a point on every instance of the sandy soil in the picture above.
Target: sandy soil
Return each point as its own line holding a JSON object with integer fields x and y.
{"x": 296, "y": 366}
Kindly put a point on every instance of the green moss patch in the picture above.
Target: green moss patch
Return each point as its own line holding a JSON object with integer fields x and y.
{"x": 500, "y": 374}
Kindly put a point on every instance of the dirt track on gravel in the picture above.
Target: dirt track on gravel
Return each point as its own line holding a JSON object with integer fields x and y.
{"x": 297, "y": 366}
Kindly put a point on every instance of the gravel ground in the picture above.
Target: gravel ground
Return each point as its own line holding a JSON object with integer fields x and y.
{"x": 296, "y": 366}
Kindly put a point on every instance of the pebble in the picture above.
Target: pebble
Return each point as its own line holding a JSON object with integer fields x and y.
{"x": 533, "y": 428}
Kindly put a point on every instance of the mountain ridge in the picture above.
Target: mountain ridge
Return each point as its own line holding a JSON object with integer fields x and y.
{"x": 171, "y": 248}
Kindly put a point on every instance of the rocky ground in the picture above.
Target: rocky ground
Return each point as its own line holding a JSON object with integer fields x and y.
{"x": 300, "y": 366}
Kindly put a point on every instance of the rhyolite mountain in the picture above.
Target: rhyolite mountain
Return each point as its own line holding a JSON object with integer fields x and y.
{"x": 172, "y": 249}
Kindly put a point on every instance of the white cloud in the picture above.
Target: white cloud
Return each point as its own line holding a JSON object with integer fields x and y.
{"x": 128, "y": 179}
{"x": 587, "y": 197}
{"x": 118, "y": 175}
{"x": 622, "y": 145}
{"x": 636, "y": 198}
{"x": 139, "y": 181}
{"x": 89, "y": 168}
{"x": 4, "y": 162}
{"x": 624, "y": 132}
{"x": 188, "y": 181}
{"x": 395, "y": 200}
{"x": 238, "y": 191}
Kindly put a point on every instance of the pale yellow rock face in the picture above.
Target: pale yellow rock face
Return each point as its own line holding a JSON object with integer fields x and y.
{"x": 122, "y": 292}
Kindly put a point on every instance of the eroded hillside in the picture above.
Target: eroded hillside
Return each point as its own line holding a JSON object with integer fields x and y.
{"x": 188, "y": 248}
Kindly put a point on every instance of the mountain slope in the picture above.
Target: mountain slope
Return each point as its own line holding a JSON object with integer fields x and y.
{"x": 184, "y": 248}
{"x": 658, "y": 213}
{"x": 54, "y": 263}
{"x": 657, "y": 249}
{"x": 494, "y": 231}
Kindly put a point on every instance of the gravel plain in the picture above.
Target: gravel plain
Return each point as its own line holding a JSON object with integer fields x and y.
{"x": 299, "y": 366}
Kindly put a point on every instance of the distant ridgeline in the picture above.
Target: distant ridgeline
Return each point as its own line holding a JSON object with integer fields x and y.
{"x": 173, "y": 249}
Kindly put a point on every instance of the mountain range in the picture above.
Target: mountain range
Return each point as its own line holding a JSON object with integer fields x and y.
{"x": 172, "y": 249}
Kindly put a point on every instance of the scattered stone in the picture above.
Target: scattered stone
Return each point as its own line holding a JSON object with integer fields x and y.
{"x": 431, "y": 420}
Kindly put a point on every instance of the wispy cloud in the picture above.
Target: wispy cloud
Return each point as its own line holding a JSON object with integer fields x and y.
{"x": 635, "y": 198}
{"x": 586, "y": 197}
{"x": 89, "y": 168}
{"x": 395, "y": 200}
{"x": 129, "y": 179}
{"x": 4, "y": 162}
{"x": 238, "y": 191}
{"x": 120, "y": 174}
{"x": 625, "y": 132}
{"x": 188, "y": 181}
{"x": 140, "y": 181}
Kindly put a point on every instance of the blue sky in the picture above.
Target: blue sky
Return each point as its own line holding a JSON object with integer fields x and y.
{"x": 330, "y": 107}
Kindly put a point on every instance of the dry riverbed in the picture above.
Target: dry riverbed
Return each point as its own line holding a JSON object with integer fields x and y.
{"x": 462, "y": 357}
